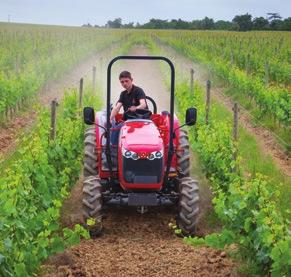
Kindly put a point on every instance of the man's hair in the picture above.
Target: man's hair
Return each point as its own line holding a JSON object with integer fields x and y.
{"x": 125, "y": 74}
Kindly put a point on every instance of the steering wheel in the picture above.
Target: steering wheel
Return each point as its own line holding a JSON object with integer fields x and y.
{"x": 138, "y": 114}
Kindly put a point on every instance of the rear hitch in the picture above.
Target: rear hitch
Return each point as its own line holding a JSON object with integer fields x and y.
{"x": 142, "y": 209}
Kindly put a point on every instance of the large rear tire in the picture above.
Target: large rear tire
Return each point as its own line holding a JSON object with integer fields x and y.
{"x": 188, "y": 206}
{"x": 90, "y": 153}
{"x": 183, "y": 155}
{"x": 92, "y": 205}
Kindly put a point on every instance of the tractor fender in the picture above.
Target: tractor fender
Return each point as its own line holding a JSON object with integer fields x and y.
{"x": 100, "y": 119}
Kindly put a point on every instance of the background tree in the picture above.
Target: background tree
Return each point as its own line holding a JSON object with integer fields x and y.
{"x": 239, "y": 23}
{"x": 244, "y": 22}
{"x": 181, "y": 24}
{"x": 276, "y": 25}
{"x": 195, "y": 25}
{"x": 116, "y": 23}
{"x": 287, "y": 24}
{"x": 155, "y": 24}
{"x": 207, "y": 23}
{"x": 260, "y": 23}
{"x": 222, "y": 25}
{"x": 274, "y": 16}
{"x": 275, "y": 21}
{"x": 129, "y": 25}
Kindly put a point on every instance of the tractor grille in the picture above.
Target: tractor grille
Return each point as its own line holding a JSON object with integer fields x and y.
{"x": 142, "y": 171}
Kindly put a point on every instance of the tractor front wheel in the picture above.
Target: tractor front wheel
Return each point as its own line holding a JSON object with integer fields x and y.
{"x": 92, "y": 205}
{"x": 188, "y": 206}
{"x": 183, "y": 155}
{"x": 90, "y": 153}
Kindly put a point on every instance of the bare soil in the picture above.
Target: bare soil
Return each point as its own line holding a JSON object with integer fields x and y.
{"x": 136, "y": 244}
{"x": 139, "y": 245}
{"x": 265, "y": 139}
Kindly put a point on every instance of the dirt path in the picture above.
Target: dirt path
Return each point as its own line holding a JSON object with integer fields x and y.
{"x": 135, "y": 244}
{"x": 53, "y": 89}
{"x": 267, "y": 142}
{"x": 139, "y": 245}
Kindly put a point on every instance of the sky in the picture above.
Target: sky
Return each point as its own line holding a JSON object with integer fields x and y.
{"x": 78, "y": 12}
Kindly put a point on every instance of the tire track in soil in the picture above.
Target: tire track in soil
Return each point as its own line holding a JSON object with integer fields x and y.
{"x": 133, "y": 244}
{"x": 23, "y": 121}
{"x": 266, "y": 141}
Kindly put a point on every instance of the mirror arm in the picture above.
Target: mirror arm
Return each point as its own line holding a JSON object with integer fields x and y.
{"x": 105, "y": 130}
{"x": 174, "y": 133}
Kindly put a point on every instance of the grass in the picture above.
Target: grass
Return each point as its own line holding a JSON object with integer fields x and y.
{"x": 208, "y": 222}
{"x": 282, "y": 134}
{"x": 7, "y": 160}
{"x": 254, "y": 160}
{"x": 265, "y": 120}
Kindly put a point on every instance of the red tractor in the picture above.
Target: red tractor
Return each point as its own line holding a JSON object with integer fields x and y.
{"x": 150, "y": 165}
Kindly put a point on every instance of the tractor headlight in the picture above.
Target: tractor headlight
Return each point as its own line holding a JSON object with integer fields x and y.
{"x": 151, "y": 157}
{"x": 158, "y": 154}
{"x": 155, "y": 155}
{"x": 129, "y": 154}
{"x": 134, "y": 156}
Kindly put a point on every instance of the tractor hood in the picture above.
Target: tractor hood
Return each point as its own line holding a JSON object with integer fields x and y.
{"x": 140, "y": 135}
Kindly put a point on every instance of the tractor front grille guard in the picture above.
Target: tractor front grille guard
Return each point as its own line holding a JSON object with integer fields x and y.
{"x": 142, "y": 171}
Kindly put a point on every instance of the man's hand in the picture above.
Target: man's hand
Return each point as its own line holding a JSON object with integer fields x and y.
{"x": 115, "y": 111}
{"x": 132, "y": 108}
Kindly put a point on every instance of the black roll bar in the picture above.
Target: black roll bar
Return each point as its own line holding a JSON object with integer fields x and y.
{"x": 171, "y": 145}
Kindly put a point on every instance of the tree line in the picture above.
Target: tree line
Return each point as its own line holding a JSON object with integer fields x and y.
{"x": 245, "y": 22}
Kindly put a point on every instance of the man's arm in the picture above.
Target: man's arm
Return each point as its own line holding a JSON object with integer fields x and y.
{"x": 142, "y": 100}
{"x": 142, "y": 105}
{"x": 115, "y": 110}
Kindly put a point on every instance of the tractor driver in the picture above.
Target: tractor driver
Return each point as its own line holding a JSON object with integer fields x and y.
{"x": 132, "y": 98}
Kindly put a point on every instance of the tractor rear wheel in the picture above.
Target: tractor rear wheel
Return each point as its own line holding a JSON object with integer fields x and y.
{"x": 188, "y": 206}
{"x": 90, "y": 153}
{"x": 92, "y": 205}
{"x": 183, "y": 155}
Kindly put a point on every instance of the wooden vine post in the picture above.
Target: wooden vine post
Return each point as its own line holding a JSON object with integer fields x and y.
{"x": 54, "y": 105}
{"x": 207, "y": 107}
{"x": 192, "y": 81}
{"x": 266, "y": 73}
{"x": 81, "y": 95}
{"x": 231, "y": 58}
{"x": 94, "y": 78}
{"x": 248, "y": 64}
{"x": 101, "y": 63}
{"x": 235, "y": 132}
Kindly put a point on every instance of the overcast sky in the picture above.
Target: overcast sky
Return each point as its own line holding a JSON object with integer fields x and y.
{"x": 78, "y": 12}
